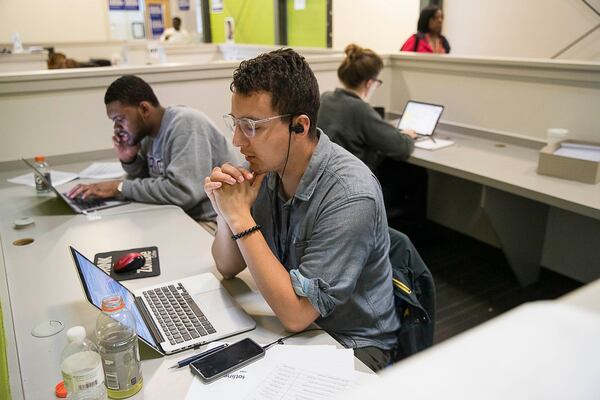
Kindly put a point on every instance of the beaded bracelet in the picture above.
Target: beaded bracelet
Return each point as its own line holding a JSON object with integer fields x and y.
{"x": 246, "y": 232}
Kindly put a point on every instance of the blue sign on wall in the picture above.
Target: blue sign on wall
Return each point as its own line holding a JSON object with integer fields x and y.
{"x": 156, "y": 19}
{"x": 184, "y": 5}
{"x": 132, "y": 5}
{"x": 116, "y": 4}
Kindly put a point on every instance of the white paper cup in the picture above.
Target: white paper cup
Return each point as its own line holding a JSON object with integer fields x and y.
{"x": 555, "y": 135}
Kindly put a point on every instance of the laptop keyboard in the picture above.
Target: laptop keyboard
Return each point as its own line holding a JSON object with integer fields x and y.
{"x": 177, "y": 313}
{"x": 86, "y": 204}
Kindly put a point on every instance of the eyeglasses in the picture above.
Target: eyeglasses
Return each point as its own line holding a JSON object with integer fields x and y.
{"x": 247, "y": 125}
{"x": 379, "y": 81}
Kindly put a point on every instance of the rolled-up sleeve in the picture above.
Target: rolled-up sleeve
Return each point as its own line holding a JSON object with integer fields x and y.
{"x": 336, "y": 253}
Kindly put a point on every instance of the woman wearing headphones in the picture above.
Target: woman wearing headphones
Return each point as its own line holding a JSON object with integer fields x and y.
{"x": 347, "y": 118}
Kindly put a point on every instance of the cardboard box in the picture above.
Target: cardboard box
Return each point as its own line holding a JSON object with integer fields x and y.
{"x": 566, "y": 167}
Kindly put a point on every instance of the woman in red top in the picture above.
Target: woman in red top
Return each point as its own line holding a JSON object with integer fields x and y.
{"x": 429, "y": 38}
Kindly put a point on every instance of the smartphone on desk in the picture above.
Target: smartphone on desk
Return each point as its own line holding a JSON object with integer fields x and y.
{"x": 227, "y": 360}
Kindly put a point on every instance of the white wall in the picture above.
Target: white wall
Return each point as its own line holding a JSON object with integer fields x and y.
{"x": 188, "y": 18}
{"x": 54, "y": 21}
{"x": 382, "y": 25}
{"x": 517, "y": 28}
{"x": 497, "y": 28}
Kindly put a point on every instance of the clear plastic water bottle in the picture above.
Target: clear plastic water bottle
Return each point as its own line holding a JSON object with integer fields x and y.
{"x": 118, "y": 346}
{"x": 42, "y": 187}
{"x": 81, "y": 367}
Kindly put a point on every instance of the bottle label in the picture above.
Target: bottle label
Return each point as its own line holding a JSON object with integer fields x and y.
{"x": 40, "y": 185}
{"x": 84, "y": 381}
{"x": 122, "y": 367}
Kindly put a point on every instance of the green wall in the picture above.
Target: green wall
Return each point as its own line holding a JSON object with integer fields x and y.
{"x": 4, "y": 383}
{"x": 308, "y": 27}
{"x": 254, "y": 21}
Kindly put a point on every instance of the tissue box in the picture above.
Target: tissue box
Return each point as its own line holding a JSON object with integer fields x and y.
{"x": 566, "y": 167}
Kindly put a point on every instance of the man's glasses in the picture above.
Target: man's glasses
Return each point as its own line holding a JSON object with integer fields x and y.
{"x": 247, "y": 125}
{"x": 379, "y": 81}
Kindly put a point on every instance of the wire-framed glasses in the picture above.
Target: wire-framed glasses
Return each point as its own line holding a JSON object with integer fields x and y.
{"x": 247, "y": 125}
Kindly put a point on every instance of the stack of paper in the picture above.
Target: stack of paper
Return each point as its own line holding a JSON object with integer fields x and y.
{"x": 58, "y": 178}
{"x": 103, "y": 170}
{"x": 580, "y": 151}
{"x": 428, "y": 144}
{"x": 288, "y": 372}
{"x": 99, "y": 170}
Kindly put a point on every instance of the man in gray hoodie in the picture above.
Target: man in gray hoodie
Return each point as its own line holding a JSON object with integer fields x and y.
{"x": 166, "y": 152}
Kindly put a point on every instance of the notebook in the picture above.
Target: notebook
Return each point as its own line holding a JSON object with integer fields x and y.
{"x": 79, "y": 205}
{"x": 172, "y": 316}
{"x": 421, "y": 118}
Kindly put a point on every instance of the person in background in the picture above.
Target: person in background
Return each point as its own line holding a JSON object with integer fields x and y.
{"x": 348, "y": 119}
{"x": 429, "y": 38}
{"x": 175, "y": 34}
{"x": 164, "y": 151}
{"x": 305, "y": 217}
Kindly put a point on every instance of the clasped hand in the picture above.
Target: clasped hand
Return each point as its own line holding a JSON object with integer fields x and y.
{"x": 232, "y": 191}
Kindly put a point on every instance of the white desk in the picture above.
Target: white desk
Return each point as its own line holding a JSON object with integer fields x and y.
{"x": 41, "y": 284}
{"x": 537, "y": 220}
{"x": 540, "y": 350}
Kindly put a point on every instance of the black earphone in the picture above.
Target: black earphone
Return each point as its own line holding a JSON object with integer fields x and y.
{"x": 296, "y": 128}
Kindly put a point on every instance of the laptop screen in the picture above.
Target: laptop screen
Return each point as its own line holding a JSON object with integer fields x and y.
{"x": 98, "y": 285}
{"x": 420, "y": 117}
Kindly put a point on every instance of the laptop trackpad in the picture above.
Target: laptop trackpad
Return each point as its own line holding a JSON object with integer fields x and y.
{"x": 213, "y": 300}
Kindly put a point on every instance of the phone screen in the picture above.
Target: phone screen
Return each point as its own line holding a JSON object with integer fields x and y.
{"x": 227, "y": 359}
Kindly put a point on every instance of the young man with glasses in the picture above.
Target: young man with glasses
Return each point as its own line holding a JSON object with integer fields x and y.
{"x": 305, "y": 216}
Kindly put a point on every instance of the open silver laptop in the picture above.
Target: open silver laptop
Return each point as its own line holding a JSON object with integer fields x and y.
{"x": 171, "y": 316}
{"x": 79, "y": 205}
{"x": 421, "y": 118}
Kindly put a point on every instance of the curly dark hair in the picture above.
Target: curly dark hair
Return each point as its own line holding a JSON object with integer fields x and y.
{"x": 130, "y": 90}
{"x": 288, "y": 77}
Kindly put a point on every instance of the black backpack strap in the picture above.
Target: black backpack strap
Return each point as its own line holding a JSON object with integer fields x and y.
{"x": 417, "y": 38}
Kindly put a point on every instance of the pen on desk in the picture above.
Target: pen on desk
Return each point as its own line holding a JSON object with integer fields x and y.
{"x": 433, "y": 139}
{"x": 195, "y": 357}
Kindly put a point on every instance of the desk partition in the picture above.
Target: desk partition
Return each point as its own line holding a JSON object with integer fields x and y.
{"x": 504, "y": 101}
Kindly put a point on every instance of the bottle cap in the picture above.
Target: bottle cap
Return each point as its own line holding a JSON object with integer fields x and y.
{"x": 60, "y": 390}
{"x": 76, "y": 334}
{"x": 40, "y": 158}
{"x": 23, "y": 222}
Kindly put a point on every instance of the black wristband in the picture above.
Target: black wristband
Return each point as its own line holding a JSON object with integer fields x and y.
{"x": 246, "y": 232}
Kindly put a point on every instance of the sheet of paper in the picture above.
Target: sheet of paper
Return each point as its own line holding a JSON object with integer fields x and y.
{"x": 58, "y": 178}
{"x": 103, "y": 170}
{"x": 429, "y": 144}
{"x": 311, "y": 358}
{"x": 569, "y": 145}
{"x": 290, "y": 382}
{"x": 299, "y": 4}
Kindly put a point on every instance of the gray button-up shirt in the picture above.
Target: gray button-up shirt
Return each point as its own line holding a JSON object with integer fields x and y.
{"x": 332, "y": 237}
